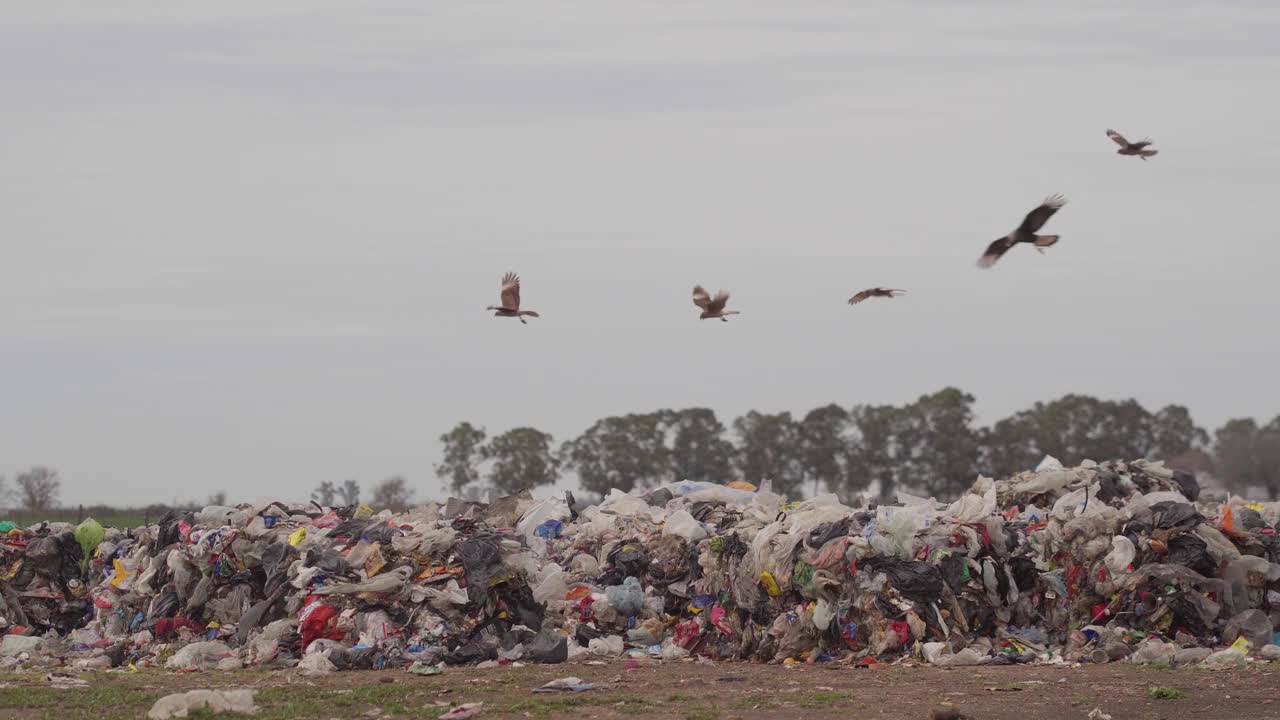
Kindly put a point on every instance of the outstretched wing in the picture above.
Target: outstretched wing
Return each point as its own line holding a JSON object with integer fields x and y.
{"x": 994, "y": 251}
{"x": 700, "y": 297}
{"x": 1038, "y": 217}
{"x": 874, "y": 292}
{"x": 510, "y": 291}
{"x": 1117, "y": 138}
{"x": 718, "y": 302}
{"x": 1142, "y": 143}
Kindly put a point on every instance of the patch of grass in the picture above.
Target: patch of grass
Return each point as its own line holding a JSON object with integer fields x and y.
{"x": 755, "y": 702}
{"x": 702, "y": 714}
{"x": 678, "y": 697}
{"x": 1164, "y": 693}
{"x": 282, "y": 703}
{"x": 121, "y": 519}
{"x": 822, "y": 699}
{"x": 555, "y": 706}
{"x": 106, "y": 701}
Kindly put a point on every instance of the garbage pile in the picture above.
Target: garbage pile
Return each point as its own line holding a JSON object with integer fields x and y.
{"x": 1091, "y": 564}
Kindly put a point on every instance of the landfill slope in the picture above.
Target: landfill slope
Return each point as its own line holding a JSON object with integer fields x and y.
{"x": 1095, "y": 564}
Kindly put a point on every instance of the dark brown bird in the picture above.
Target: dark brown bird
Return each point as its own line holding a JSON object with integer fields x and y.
{"x": 712, "y": 307}
{"x": 1026, "y": 232}
{"x": 1127, "y": 148}
{"x": 510, "y": 306}
{"x": 874, "y": 292}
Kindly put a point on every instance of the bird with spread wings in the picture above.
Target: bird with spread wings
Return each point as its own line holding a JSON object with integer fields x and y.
{"x": 1026, "y": 232}
{"x": 510, "y": 306}
{"x": 875, "y": 292}
{"x": 712, "y": 307}
{"x": 1139, "y": 148}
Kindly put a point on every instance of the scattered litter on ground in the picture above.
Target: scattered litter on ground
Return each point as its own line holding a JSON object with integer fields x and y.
{"x": 180, "y": 705}
{"x": 63, "y": 680}
{"x": 569, "y": 684}
{"x": 462, "y": 712}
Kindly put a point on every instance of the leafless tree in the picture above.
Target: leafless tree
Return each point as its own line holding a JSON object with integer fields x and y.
{"x": 325, "y": 494}
{"x": 350, "y": 493}
{"x": 38, "y": 488}
{"x": 392, "y": 493}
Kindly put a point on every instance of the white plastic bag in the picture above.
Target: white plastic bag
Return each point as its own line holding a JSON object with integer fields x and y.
{"x": 552, "y": 587}
{"x": 203, "y": 655}
{"x": 609, "y": 646}
{"x": 553, "y": 508}
{"x": 822, "y": 615}
{"x": 682, "y": 524}
{"x": 1121, "y": 555}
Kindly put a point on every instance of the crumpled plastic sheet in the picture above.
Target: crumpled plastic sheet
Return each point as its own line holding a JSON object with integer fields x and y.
{"x": 180, "y": 705}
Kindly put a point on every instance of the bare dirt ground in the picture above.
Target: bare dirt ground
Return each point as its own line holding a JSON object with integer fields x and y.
{"x": 688, "y": 691}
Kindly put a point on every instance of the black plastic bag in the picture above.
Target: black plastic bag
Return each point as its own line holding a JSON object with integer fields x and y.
{"x": 362, "y": 658}
{"x": 1024, "y": 573}
{"x": 1188, "y": 483}
{"x": 275, "y": 564}
{"x": 586, "y": 633}
{"x": 914, "y": 580}
{"x": 1169, "y": 514}
{"x": 631, "y": 558}
{"x": 952, "y": 568}
{"x": 1108, "y": 485}
{"x": 473, "y": 652}
{"x": 548, "y": 647}
{"x": 1249, "y": 519}
{"x": 482, "y": 560}
{"x": 523, "y": 608}
{"x": 1191, "y": 552}
{"x": 327, "y": 560}
{"x": 1135, "y": 530}
{"x": 513, "y": 637}
{"x": 170, "y": 533}
{"x": 827, "y": 532}
{"x": 1185, "y": 616}
{"x": 659, "y": 497}
{"x": 163, "y": 605}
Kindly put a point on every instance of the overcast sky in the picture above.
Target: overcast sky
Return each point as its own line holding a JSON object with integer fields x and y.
{"x": 249, "y": 249}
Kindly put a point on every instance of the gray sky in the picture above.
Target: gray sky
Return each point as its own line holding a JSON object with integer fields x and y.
{"x": 249, "y": 249}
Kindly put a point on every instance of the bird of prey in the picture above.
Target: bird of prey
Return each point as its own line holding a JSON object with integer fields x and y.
{"x": 874, "y": 292}
{"x": 510, "y": 306}
{"x": 712, "y": 307}
{"x": 1026, "y": 232}
{"x": 1127, "y": 148}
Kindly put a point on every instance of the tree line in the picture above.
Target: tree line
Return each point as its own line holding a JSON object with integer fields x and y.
{"x": 931, "y": 446}
{"x": 39, "y": 489}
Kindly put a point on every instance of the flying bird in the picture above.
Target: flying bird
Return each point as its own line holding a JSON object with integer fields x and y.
{"x": 510, "y": 306}
{"x": 1026, "y": 232}
{"x": 1127, "y": 148}
{"x": 712, "y": 307}
{"x": 874, "y": 292}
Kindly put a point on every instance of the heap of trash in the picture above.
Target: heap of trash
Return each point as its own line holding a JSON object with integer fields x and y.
{"x": 1104, "y": 562}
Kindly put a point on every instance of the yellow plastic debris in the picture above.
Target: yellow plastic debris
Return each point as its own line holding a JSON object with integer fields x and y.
{"x": 770, "y": 585}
